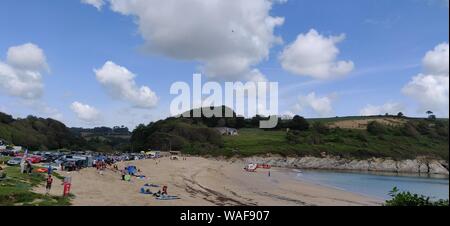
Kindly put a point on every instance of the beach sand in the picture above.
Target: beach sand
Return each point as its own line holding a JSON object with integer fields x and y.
{"x": 202, "y": 182}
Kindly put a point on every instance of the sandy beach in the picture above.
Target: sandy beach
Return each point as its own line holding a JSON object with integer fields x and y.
{"x": 202, "y": 182}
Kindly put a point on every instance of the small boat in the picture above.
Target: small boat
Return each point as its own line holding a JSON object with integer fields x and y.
{"x": 251, "y": 167}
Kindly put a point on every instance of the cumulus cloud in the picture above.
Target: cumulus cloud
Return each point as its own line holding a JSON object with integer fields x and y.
{"x": 390, "y": 108}
{"x": 85, "y": 112}
{"x": 227, "y": 38}
{"x": 321, "y": 106}
{"x": 314, "y": 55}
{"x": 436, "y": 61}
{"x": 96, "y": 3}
{"x": 431, "y": 88}
{"x": 21, "y": 74}
{"x": 120, "y": 84}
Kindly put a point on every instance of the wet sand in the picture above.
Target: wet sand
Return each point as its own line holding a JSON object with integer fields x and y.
{"x": 202, "y": 182}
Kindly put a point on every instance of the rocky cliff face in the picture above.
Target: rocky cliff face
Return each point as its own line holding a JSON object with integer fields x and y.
{"x": 422, "y": 166}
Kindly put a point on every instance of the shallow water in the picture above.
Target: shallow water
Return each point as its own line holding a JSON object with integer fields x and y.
{"x": 378, "y": 185}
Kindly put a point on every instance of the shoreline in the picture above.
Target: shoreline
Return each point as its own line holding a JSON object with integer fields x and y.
{"x": 199, "y": 181}
{"x": 417, "y": 166}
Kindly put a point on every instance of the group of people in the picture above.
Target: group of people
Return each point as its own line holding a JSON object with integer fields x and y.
{"x": 100, "y": 165}
{"x": 161, "y": 193}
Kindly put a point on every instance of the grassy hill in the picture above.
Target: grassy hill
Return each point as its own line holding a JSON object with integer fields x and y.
{"x": 345, "y": 143}
{"x": 348, "y": 137}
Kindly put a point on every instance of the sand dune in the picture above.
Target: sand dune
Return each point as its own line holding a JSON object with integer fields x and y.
{"x": 203, "y": 182}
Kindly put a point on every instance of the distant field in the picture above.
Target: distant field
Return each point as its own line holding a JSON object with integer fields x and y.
{"x": 361, "y": 122}
{"x": 345, "y": 142}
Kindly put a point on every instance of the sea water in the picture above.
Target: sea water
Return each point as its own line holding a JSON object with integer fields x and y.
{"x": 378, "y": 185}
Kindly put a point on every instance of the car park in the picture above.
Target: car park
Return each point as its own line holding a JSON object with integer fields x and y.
{"x": 14, "y": 161}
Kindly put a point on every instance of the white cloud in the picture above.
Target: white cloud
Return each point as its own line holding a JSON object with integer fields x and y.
{"x": 120, "y": 84}
{"x": 21, "y": 75}
{"x": 321, "y": 106}
{"x": 431, "y": 89}
{"x": 314, "y": 55}
{"x": 96, "y": 3}
{"x": 390, "y": 108}
{"x": 27, "y": 57}
{"x": 436, "y": 61}
{"x": 85, "y": 112}
{"x": 227, "y": 38}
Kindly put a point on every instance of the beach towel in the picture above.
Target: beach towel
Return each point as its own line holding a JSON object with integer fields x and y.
{"x": 42, "y": 170}
{"x": 152, "y": 185}
{"x": 145, "y": 192}
{"x": 167, "y": 197}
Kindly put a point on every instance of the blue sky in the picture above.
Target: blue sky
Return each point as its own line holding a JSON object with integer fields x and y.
{"x": 385, "y": 40}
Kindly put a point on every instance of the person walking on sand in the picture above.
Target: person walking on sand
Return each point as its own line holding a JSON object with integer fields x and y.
{"x": 49, "y": 184}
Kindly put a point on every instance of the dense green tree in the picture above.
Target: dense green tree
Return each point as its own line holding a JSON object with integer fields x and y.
{"x": 37, "y": 133}
{"x": 299, "y": 123}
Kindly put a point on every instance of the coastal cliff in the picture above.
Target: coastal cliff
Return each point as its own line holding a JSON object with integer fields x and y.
{"x": 420, "y": 165}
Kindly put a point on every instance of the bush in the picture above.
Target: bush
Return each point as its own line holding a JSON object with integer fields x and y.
{"x": 321, "y": 128}
{"x": 315, "y": 139}
{"x": 299, "y": 123}
{"x": 376, "y": 128}
{"x": 361, "y": 137}
{"x": 410, "y": 130}
{"x": 293, "y": 137}
{"x": 409, "y": 199}
{"x": 423, "y": 127}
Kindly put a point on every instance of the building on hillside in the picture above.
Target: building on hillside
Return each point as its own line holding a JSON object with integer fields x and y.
{"x": 225, "y": 131}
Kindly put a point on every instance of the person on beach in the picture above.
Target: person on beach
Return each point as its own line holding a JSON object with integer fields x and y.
{"x": 29, "y": 167}
{"x": 164, "y": 190}
{"x": 49, "y": 184}
{"x": 49, "y": 169}
{"x": 157, "y": 194}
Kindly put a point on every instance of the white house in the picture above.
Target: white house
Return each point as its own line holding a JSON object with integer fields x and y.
{"x": 225, "y": 131}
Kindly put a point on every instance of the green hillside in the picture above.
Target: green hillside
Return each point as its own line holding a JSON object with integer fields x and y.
{"x": 396, "y": 137}
{"x": 344, "y": 143}
{"x": 36, "y": 133}
{"x": 349, "y": 137}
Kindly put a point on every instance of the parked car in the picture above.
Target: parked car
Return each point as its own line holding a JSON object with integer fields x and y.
{"x": 14, "y": 162}
{"x": 53, "y": 165}
{"x": 69, "y": 165}
{"x": 34, "y": 159}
